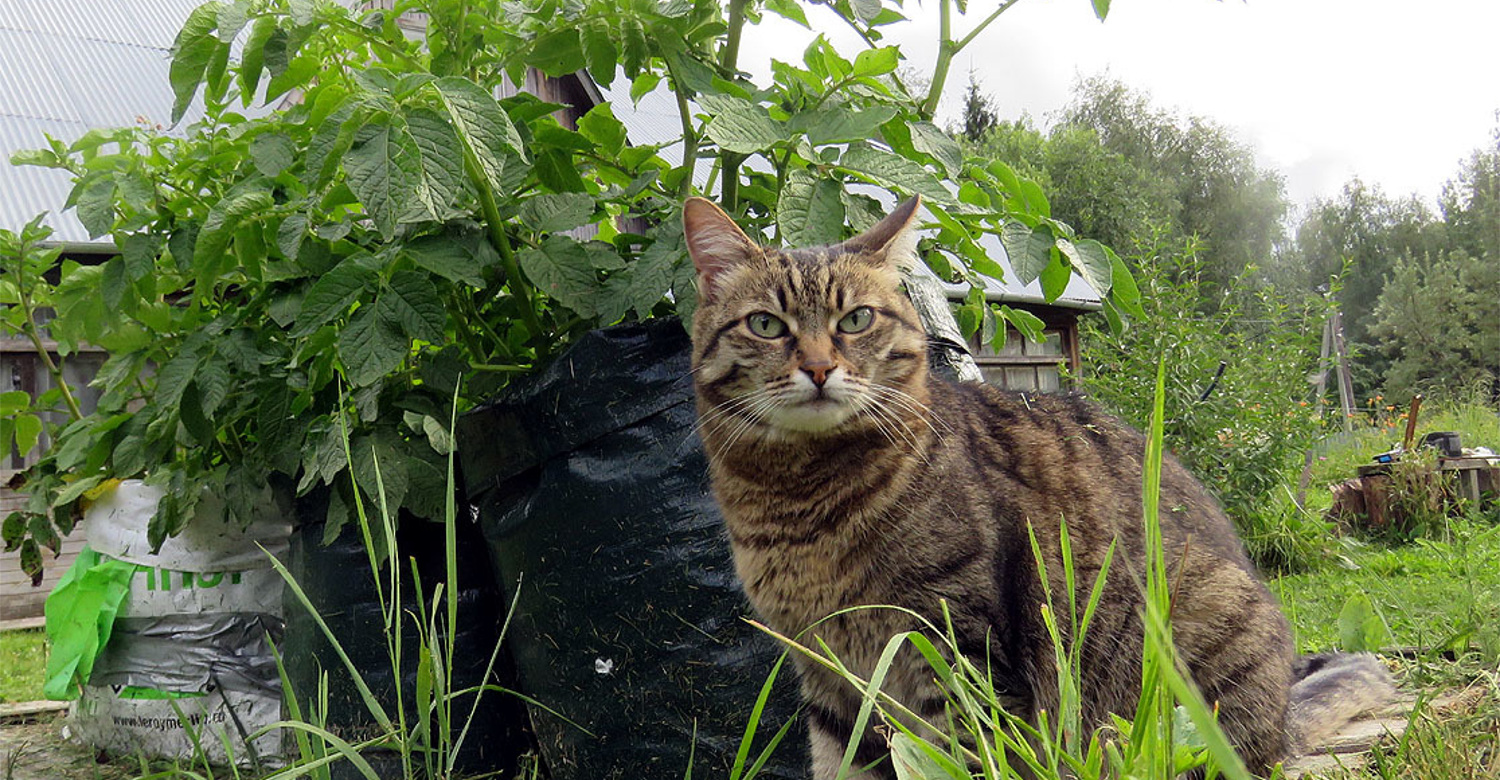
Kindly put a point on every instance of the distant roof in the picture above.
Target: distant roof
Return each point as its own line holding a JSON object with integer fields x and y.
{"x": 70, "y": 66}
{"x": 654, "y": 120}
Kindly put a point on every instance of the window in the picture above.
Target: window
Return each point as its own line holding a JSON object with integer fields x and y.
{"x": 21, "y": 369}
{"x": 1023, "y": 364}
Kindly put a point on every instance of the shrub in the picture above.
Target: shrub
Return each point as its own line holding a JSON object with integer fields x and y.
{"x": 1237, "y": 396}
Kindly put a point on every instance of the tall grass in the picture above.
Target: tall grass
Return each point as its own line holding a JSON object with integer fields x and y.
{"x": 1171, "y": 731}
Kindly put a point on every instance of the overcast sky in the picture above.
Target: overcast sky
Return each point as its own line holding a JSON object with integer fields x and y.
{"x": 1397, "y": 93}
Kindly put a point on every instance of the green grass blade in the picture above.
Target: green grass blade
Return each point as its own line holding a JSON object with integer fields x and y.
{"x": 365, "y": 694}
{"x": 742, "y": 755}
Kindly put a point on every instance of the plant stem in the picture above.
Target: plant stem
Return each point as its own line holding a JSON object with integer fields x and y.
{"x": 496, "y": 228}
{"x": 689, "y": 139}
{"x": 729, "y": 57}
{"x": 33, "y": 334}
{"x": 949, "y": 48}
{"x": 946, "y": 51}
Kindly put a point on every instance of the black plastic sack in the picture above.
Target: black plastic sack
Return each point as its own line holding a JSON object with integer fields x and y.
{"x": 336, "y": 579}
{"x": 592, "y": 490}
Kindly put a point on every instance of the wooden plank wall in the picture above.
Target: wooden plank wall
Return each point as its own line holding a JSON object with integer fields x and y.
{"x": 18, "y": 599}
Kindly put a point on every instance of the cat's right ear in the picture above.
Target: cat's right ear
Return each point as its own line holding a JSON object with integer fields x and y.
{"x": 714, "y": 241}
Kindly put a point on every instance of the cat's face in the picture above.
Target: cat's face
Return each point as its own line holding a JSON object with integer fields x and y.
{"x": 804, "y": 340}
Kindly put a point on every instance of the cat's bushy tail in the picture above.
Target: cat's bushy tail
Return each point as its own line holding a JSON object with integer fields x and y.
{"x": 1333, "y": 689}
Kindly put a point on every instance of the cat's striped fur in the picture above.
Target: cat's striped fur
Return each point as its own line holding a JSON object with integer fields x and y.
{"x": 849, "y": 476}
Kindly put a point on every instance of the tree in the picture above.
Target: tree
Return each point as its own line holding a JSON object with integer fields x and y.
{"x": 1121, "y": 170}
{"x": 1435, "y": 323}
{"x": 1470, "y": 202}
{"x": 1192, "y": 172}
{"x": 979, "y": 111}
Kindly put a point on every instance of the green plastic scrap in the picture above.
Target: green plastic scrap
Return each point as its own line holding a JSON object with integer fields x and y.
{"x": 81, "y": 614}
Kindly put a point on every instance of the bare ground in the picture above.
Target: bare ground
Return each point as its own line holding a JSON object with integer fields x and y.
{"x": 34, "y": 749}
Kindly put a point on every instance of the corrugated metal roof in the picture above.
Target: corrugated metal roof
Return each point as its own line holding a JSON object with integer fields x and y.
{"x": 69, "y": 66}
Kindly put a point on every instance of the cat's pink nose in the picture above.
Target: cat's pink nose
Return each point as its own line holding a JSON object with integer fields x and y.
{"x": 818, "y": 370}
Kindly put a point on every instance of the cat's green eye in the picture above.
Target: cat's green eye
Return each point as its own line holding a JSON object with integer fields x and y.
{"x": 857, "y": 320}
{"x": 765, "y": 325}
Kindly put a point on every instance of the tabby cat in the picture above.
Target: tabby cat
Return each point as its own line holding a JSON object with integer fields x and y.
{"x": 848, "y": 475}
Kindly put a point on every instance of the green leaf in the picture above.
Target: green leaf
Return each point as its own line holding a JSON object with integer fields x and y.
{"x": 272, "y": 153}
{"x": 384, "y": 171}
{"x": 916, "y": 760}
{"x": 44, "y": 533}
{"x": 1123, "y": 288}
{"x": 194, "y": 419}
{"x": 333, "y": 294}
{"x": 929, "y": 139}
{"x": 437, "y": 435}
{"x": 557, "y": 212}
{"x": 485, "y": 130}
{"x": 28, "y": 431}
{"x": 372, "y": 346}
{"x": 31, "y": 561}
{"x": 642, "y": 85}
{"x": 876, "y": 62}
{"x": 304, "y": 12}
{"x": 194, "y": 47}
{"x": 252, "y": 57}
{"x": 600, "y": 126}
{"x": 691, "y": 74}
{"x": 96, "y": 204}
{"x": 289, "y": 235}
{"x": 1361, "y": 628}
{"x": 233, "y": 17}
{"x": 1092, "y": 261}
{"x": 739, "y": 125}
{"x": 175, "y": 375}
{"x": 600, "y": 53}
{"x": 557, "y": 53}
{"x": 1055, "y": 276}
{"x": 637, "y": 52}
{"x": 14, "y": 402}
{"x": 866, "y": 10}
{"x": 1036, "y": 200}
{"x": 139, "y": 251}
{"x": 329, "y": 141}
{"x": 810, "y": 211}
{"x": 556, "y": 171}
{"x": 456, "y": 258}
{"x": 441, "y": 161}
{"x": 412, "y": 300}
{"x": 1029, "y": 251}
{"x": 789, "y": 9}
{"x": 651, "y": 276}
{"x": 1101, "y": 9}
{"x": 894, "y": 171}
{"x": 561, "y": 268}
{"x": 1028, "y": 324}
{"x": 12, "y": 531}
{"x": 137, "y": 191}
{"x": 841, "y": 124}
{"x": 209, "y": 254}
{"x": 115, "y": 282}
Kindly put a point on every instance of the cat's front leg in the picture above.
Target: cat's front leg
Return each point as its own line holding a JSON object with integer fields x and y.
{"x": 829, "y": 734}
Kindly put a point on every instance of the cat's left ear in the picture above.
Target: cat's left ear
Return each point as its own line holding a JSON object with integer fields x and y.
{"x": 892, "y": 239}
{"x": 714, "y": 241}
